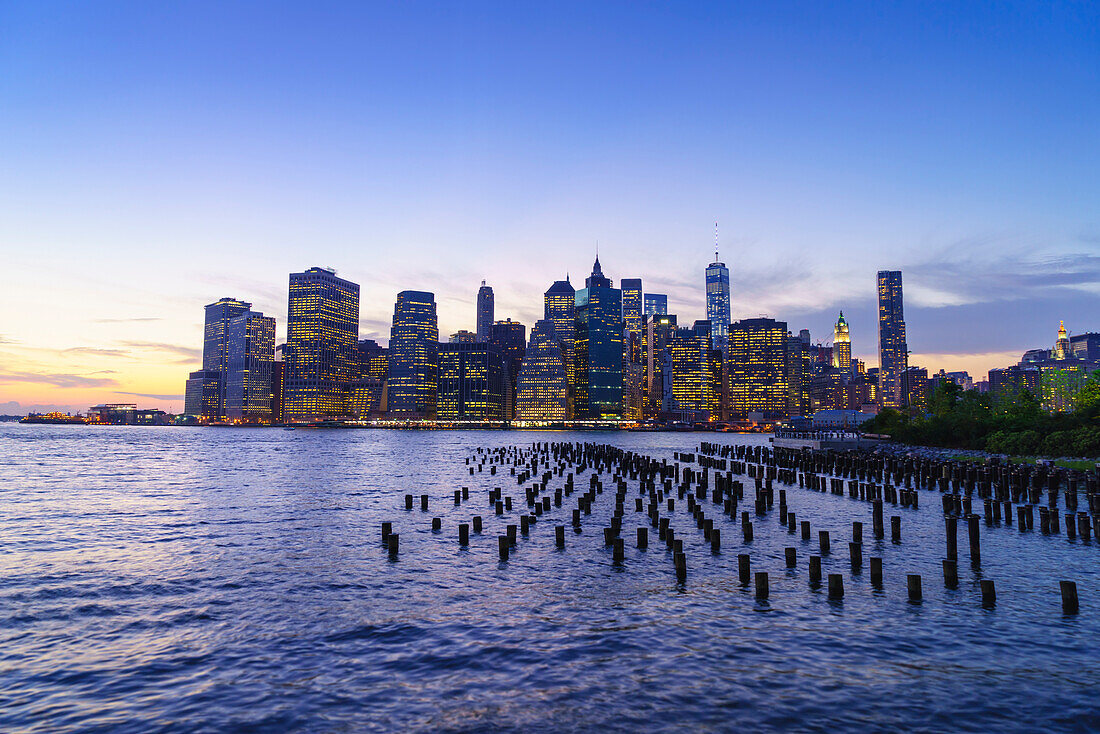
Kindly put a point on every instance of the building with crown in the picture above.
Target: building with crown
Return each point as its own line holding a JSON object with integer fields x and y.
{"x": 842, "y": 346}
{"x": 598, "y": 335}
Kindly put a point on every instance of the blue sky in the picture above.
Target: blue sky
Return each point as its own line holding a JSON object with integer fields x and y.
{"x": 157, "y": 156}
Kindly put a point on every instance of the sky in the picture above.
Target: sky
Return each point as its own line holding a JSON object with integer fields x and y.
{"x": 155, "y": 157}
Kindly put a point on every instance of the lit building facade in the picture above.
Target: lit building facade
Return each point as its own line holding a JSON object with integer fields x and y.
{"x": 542, "y": 391}
{"x": 842, "y": 346}
{"x": 632, "y": 305}
{"x": 659, "y": 332}
{"x": 486, "y": 310}
{"x": 251, "y": 353}
{"x": 412, "y": 381}
{"x": 758, "y": 368}
{"x": 202, "y": 394}
{"x": 694, "y": 388}
{"x": 320, "y": 354}
{"x": 462, "y": 336}
{"x": 471, "y": 382}
{"x": 598, "y": 330}
{"x": 893, "y": 350}
{"x": 718, "y": 300}
{"x": 366, "y": 395}
{"x": 559, "y": 304}
{"x": 655, "y": 304}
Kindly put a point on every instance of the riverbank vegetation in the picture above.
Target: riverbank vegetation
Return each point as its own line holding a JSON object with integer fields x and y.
{"x": 1014, "y": 424}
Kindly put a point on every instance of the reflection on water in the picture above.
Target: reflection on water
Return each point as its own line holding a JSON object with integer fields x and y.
{"x": 182, "y": 579}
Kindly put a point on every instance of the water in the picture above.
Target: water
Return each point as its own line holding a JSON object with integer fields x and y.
{"x": 164, "y": 579}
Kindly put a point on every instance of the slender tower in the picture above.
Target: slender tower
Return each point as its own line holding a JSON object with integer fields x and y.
{"x": 718, "y": 297}
{"x": 842, "y": 346}
{"x": 486, "y": 308}
{"x": 893, "y": 353}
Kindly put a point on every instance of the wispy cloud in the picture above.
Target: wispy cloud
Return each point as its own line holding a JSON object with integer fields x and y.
{"x": 189, "y": 352}
{"x": 154, "y": 396}
{"x": 57, "y": 379}
{"x": 964, "y": 278}
{"x": 127, "y": 321}
{"x": 96, "y": 352}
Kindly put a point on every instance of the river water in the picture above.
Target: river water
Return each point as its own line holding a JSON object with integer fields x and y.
{"x": 175, "y": 579}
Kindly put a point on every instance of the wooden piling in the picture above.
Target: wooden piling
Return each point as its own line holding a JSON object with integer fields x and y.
{"x": 989, "y": 593}
{"x": 836, "y": 586}
{"x": 950, "y": 573}
{"x": 743, "y": 571}
{"x": 1069, "y": 596}
{"x": 876, "y": 571}
{"x": 815, "y": 570}
{"x": 913, "y": 584}
{"x": 761, "y": 584}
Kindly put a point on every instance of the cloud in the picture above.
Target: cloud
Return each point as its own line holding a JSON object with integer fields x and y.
{"x": 154, "y": 396}
{"x": 57, "y": 379}
{"x": 189, "y": 352}
{"x": 97, "y": 352}
{"x": 6, "y": 340}
{"x": 127, "y": 321}
{"x": 965, "y": 278}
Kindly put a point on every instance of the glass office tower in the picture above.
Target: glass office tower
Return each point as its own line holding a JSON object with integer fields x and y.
{"x": 486, "y": 309}
{"x": 655, "y": 304}
{"x": 598, "y": 333}
{"x": 718, "y": 300}
{"x": 215, "y": 348}
{"x": 413, "y": 374}
{"x": 893, "y": 353}
{"x": 251, "y": 349}
{"x": 320, "y": 356}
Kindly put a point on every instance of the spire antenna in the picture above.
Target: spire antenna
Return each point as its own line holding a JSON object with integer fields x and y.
{"x": 716, "y": 242}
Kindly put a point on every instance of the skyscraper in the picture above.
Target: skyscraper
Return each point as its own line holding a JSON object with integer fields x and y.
{"x": 656, "y": 304}
{"x": 251, "y": 354}
{"x": 598, "y": 319}
{"x": 693, "y": 385}
{"x": 215, "y": 348}
{"x": 892, "y": 348}
{"x": 542, "y": 391}
{"x": 471, "y": 382}
{"x": 412, "y": 381}
{"x": 510, "y": 339}
{"x": 842, "y": 346}
{"x": 718, "y": 299}
{"x": 659, "y": 333}
{"x": 486, "y": 308}
{"x": 559, "y": 304}
{"x": 759, "y": 372}
{"x": 632, "y": 305}
{"x": 322, "y": 330}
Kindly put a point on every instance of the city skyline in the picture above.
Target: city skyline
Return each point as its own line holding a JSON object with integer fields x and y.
{"x": 172, "y": 169}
